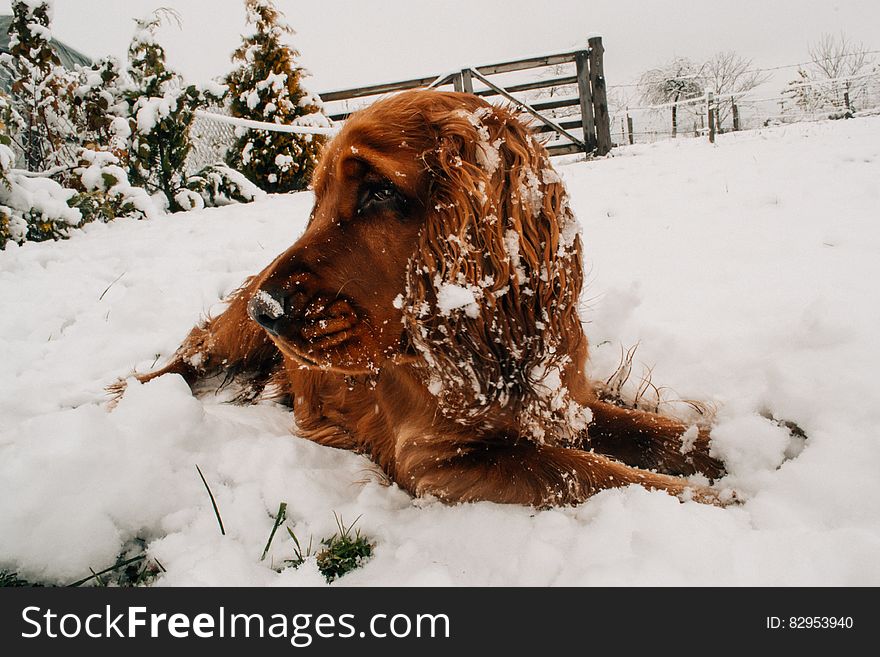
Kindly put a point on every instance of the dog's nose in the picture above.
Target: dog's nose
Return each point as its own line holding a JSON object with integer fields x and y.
{"x": 267, "y": 310}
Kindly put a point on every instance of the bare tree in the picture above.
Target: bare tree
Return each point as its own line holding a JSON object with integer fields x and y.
{"x": 728, "y": 73}
{"x": 677, "y": 80}
{"x": 836, "y": 78}
{"x": 838, "y": 57}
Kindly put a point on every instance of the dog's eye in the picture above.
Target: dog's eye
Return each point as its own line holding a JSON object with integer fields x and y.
{"x": 379, "y": 195}
{"x": 382, "y": 194}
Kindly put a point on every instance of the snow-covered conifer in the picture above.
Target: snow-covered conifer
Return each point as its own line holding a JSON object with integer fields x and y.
{"x": 267, "y": 86}
{"x": 161, "y": 110}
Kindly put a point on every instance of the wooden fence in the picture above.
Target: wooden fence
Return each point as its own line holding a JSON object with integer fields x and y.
{"x": 586, "y": 132}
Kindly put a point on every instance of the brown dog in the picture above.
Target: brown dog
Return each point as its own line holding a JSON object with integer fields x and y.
{"x": 428, "y": 318}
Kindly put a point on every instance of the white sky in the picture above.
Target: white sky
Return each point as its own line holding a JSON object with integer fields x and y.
{"x": 357, "y": 42}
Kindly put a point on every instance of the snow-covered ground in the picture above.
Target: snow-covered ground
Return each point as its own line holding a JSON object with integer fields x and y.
{"x": 747, "y": 271}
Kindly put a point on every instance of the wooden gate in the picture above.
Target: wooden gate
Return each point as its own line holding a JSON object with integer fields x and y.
{"x": 587, "y": 130}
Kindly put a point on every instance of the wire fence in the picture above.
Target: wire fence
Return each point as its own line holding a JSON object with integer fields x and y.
{"x": 210, "y": 138}
{"x": 214, "y": 131}
{"x": 809, "y": 100}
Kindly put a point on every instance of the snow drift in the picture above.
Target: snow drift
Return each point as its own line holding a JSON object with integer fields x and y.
{"x": 746, "y": 271}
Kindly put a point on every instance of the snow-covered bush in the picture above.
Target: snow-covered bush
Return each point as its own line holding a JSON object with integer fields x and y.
{"x": 219, "y": 185}
{"x": 104, "y": 192}
{"x": 161, "y": 111}
{"x": 267, "y": 86}
{"x": 41, "y": 89}
{"x": 32, "y": 208}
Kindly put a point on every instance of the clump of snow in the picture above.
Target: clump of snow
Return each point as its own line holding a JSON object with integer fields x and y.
{"x": 189, "y": 200}
{"x": 511, "y": 245}
{"x": 751, "y": 304}
{"x": 549, "y": 176}
{"x": 149, "y": 111}
{"x": 251, "y": 99}
{"x": 530, "y": 194}
{"x": 246, "y": 153}
{"x": 488, "y": 151}
{"x": 451, "y": 297}
{"x": 41, "y": 31}
{"x": 313, "y": 120}
{"x": 36, "y": 196}
{"x": 283, "y": 162}
{"x": 489, "y": 155}
{"x": 214, "y": 88}
{"x": 121, "y": 131}
{"x": 435, "y": 385}
{"x": 568, "y": 233}
{"x": 749, "y": 443}
{"x": 34, "y": 5}
{"x": 689, "y": 439}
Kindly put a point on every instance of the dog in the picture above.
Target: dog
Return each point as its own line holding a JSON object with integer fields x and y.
{"x": 428, "y": 318}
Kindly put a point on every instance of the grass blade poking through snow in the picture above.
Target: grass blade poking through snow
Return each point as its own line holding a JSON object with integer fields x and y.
{"x": 213, "y": 501}
{"x": 107, "y": 289}
{"x": 299, "y": 557}
{"x": 279, "y": 518}
{"x": 343, "y": 552}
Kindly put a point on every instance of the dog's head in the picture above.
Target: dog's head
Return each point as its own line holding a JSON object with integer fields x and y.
{"x": 440, "y": 236}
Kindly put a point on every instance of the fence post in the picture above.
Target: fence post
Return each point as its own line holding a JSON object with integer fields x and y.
{"x": 598, "y": 95}
{"x": 583, "y": 82}
{"x": 735, "y": 115}
{"x": 467, "y": 81}
{"x": 464, "y": 81}
{"x": 710, "y": 115}
{"x": 629, "y": 126}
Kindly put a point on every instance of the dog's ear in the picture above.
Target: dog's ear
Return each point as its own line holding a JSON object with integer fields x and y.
{"x": 492, "y": 292}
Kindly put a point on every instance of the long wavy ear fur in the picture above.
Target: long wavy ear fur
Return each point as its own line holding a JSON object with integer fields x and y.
{"x": 492, "y": 292}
